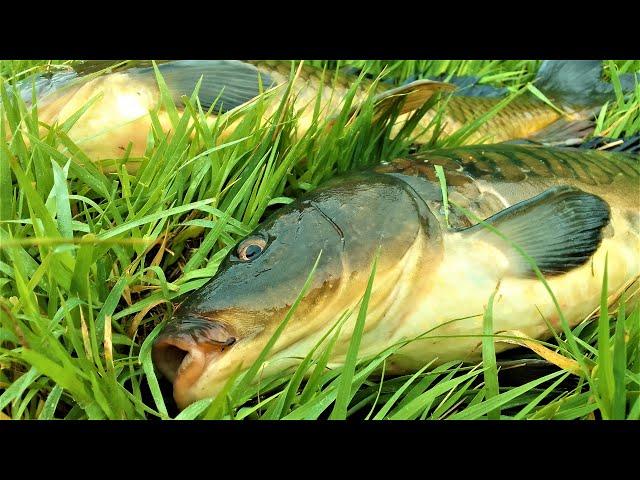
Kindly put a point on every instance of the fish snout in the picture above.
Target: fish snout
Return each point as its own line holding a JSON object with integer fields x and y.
{"x": 183, "y": 350}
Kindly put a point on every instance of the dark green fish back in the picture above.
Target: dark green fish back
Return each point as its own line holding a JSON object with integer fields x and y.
{"x": 515, "y": 163}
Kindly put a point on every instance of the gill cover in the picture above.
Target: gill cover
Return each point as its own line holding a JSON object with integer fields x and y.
{"x": 338, "y": 220}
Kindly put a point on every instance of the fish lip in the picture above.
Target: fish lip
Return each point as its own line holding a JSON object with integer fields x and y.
{"x": 180, "y": 360}
{"x": 183, "y": 356}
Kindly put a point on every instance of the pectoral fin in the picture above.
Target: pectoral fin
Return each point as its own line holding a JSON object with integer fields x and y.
{"x": 226, "y": 84}
{"x": 560, "y": 229}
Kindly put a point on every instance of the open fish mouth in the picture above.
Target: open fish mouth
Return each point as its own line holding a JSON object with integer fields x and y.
{"x": 182, "y": 352}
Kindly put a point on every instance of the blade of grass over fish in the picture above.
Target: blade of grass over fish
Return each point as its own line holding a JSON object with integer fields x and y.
{"x": 619, "y": 366}
{"x": 285, "y": 401}
{"x": 144, "y": 358}
{"x": 461, "y": 135}
{"x": 541, "y": 96}
{"x": 345, "y": 389}
{"x": 443, "y": 189}
{"x": 489, "y": 356}
{"x": 605, "y": 380}
{"x": 253, "y": 370}
{"x": 313, "y": 384}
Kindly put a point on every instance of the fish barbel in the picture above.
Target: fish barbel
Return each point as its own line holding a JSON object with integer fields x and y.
{"x": 568, "y": 209}
{"x": 123, "y": 98}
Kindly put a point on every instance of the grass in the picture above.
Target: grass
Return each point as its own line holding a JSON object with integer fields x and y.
{"x": 91, "y": 264}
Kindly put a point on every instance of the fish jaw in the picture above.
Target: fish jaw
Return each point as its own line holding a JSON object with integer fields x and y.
{"x": 188, "y": 344}
{"x": 180, "y": 361}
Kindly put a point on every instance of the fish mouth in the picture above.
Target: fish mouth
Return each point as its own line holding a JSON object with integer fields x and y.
{"x": 181, "y": 354}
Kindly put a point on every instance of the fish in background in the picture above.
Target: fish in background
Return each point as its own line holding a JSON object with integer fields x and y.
{"x": 119, "y": 117}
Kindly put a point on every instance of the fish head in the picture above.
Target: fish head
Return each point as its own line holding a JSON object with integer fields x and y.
{"x": 223, "y": 326}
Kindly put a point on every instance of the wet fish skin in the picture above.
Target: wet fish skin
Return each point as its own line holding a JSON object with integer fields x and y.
{"x": 429, "y": 274}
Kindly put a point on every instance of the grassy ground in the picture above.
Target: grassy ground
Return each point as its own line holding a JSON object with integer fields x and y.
{"x": 90, "y": 263}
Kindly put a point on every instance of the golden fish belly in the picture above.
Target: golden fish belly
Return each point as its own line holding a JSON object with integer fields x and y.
{"x": 116, "y": 115}
{"x": 452, "y": 311}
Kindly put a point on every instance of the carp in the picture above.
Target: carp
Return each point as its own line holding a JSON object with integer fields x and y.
{"x": 568, "y": 209}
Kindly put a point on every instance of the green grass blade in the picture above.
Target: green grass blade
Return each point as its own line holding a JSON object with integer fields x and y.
{"x": 147, "y": 366}
{"x": 489, "y": 356}
{"x": 345, "y": 388}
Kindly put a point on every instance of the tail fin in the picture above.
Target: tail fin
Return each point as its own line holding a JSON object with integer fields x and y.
{"x": 577, "y": 83}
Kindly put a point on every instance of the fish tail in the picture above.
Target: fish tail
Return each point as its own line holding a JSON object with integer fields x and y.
{"x": 577, "y": 87}
{"x": 577, "y": 83}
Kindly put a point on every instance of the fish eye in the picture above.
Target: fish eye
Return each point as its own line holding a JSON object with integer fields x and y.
{"x": 250, "y": 248}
